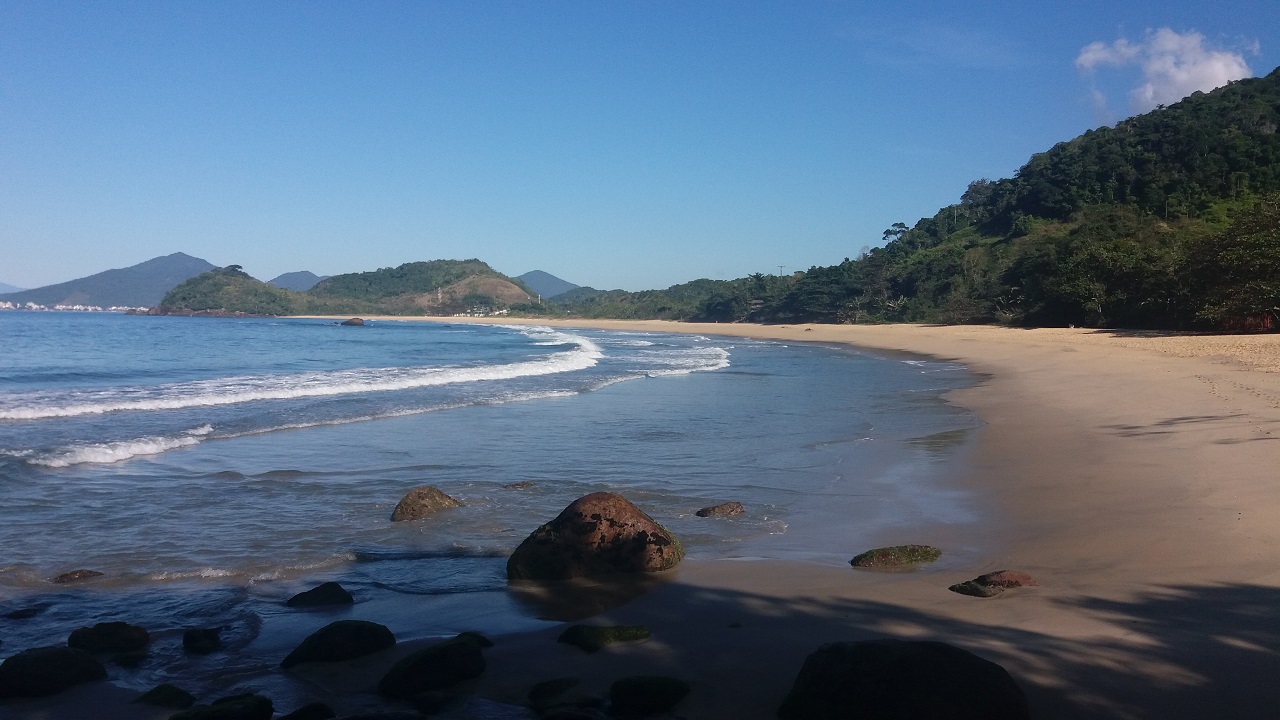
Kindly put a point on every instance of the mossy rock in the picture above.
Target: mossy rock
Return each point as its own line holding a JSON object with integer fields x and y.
{"x": 896, "y": 556}
{"x": 973, "y": 588}
{"x": 592, "y": 638}
{"x": 167, "y": 696}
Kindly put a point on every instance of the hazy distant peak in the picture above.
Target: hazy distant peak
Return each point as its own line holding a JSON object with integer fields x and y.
{"x": 302, "y": 280}
{"x": 546, "y": 284}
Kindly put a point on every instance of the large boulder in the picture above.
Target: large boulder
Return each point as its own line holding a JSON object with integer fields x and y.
{"x": 598, "y": 534}
{"x": 891, "y": 679}
{"x": 341, "y": 640}
{"x": 421, "y": 502}
{"x": 645, "y": 695}
{"x": 47, "y": 670}
{"x": 438, "y": 667}
{"x": 202, "y": 641}
{"x": 248, "y": 706}
{"x": 107, "y": 637}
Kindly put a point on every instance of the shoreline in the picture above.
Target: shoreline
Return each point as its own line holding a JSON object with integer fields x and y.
{"x": 1131, "y": 474}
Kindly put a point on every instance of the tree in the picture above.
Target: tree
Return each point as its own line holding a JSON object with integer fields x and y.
{"x": 1235, "y": 275}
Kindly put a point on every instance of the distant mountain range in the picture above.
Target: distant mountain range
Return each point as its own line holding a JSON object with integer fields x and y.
{"x": 141, "y": 285}
{"x": 7, "y": 288}
{"x": 302, "y": 281}
{"x": 545, "y": 284}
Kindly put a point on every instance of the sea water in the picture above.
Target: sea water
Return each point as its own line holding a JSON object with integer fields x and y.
{"x": 211, "y": 468}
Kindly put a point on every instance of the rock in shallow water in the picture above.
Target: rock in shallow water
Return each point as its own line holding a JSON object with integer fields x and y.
{"x": 202, "y": 641}
{"x": 248, "y": 706}
{"x": 597, "y": 534}
{"x": 75, "y": 576}
{"x": 642, "y": 696}
{"x": 892, "y": 679}
{"x": 438, "y": 667}
{"x": 993, "y": 583}
{"x": 896, "y": 556}
{"x": 47, "y": 670}
{"x": 330, "y": 593}
{"x": 120, "y": 637}
{"x": 592, "y": 638}
{"x": 168, "y": 696}
{"x": 341, "y": 640}
{"x": 421, "y": 502}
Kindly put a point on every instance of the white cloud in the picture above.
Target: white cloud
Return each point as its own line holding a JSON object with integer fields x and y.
{"x": 1173, "y": 65}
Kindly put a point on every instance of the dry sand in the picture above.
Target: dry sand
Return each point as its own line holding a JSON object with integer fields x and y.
{"x": 1133, "y": 474}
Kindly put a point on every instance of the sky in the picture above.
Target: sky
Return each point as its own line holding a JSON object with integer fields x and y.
{"x": 629, "y": 145}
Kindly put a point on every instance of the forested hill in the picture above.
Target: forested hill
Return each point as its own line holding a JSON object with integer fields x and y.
{"x": 1165, "y": 220}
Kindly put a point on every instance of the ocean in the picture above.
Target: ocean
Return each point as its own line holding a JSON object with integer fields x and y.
{"x": 211, "y": 468}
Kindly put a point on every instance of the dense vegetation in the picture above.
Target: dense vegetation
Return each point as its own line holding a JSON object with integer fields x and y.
{"x": 439, "y": 286}
{"x": 1165, "y": 220}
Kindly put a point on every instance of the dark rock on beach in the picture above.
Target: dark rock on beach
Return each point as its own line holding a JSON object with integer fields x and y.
{"x": 642, "y": 696}
{"x": 592, "y": 638}
{"x": 47, "y": 670}
{"x": 311, "y": 711}
{"x": 597, "y": 534}
{"x": 353, "y": 322}
{"x": 421, "y": 502}
{"x": 117, "y": 637}
{"x": 890, "y": 679}
{"x": 896, "y": 556}
{"x": 167, "y": 696}
{"x": 341, "y": 640}
{"x": 722, "y": 510}
{"x": 438, "y": 667}
{"x": 993, "y": 583}
{"x": 548, "y": 694}
{"x": 75, "y": 576}
{"x": 236, "y": 707}
{"x": 330, "y": 593}
{"x": 202, "y": 641}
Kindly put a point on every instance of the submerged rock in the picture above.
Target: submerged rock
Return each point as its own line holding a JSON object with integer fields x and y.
{"x": 25, "y": 613}
{"x": 168, "y": 696}
{"x": 248, "y": 706}
{"x": 311, "y": 711}
{"x": 438, "y": 667}
{"x": 75, "y": 576}
{"x": 890, "y": 679}
{"x": 644, "y": 695}
{"x": 119, "y": 637}
{"x": 993, "y": 583}
{"x": 202, "y": 641}
{"x": 522, "y": 485}
{"x": 47, "y": 670}
{"x": 896, "y": 556}
{"x": 330, "y": 593}
{"x": 592, "y": 638}
{"x": 597, "y": 534}
{"x": 341, "y": 640}
{"x": 421, "y": 502}
{"x": 722, "y": 510}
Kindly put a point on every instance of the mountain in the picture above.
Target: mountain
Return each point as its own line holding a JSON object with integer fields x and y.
{"x": 141, "y": 285}
{"x": 545, "y": 284}
{"x": 301, "y": 281}
{"x": 7, "y": 288}
{"x": 437, "y": 286}
{"x": 1169, "y": 219}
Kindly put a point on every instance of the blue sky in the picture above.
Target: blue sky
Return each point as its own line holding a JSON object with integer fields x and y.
{"x": 614, "y": 144}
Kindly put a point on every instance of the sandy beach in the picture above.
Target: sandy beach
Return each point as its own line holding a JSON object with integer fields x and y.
{"x": 1132, "y": 474}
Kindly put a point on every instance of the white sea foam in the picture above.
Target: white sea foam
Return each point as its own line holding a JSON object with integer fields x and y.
{"x": 235, "y": 390}
{"x": 99, "y": 453}
{"x": 701, "y": 359}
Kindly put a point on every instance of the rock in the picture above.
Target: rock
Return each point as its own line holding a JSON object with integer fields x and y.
{"x": 597, "y": 534}
{"x": 248, "y": 706}
{"x": 438, "y": 667}
{"x": 25, "y": 613}
{"x": 167, "y": 696}
{"x": 547, "y": 694}
{"x": 47, "y": 670}
{"x": 75, "y": 576}
{"x": 897, "y": 556}
{"x": 202, "y": 641}
{"x": 421, "y": 502}
{"x": 330, "y": 593}
{"x": 993, "y": 583}
{"x": 311, "y": 711}
{"x": 594, "y": 637}
{"x": 519, "y": 485}
{"x": 384, "y": 715}
{"x": 641, "y": 696}
{"x": 118, "y": 637}
{"x": 477, "y": 638}
{"x": 721, "y": 510}
{"x": 131, "y": 659}
{"x": 890, "y": 679}
{"x": 341, "y": 640}
{"x": 353, "y": 322}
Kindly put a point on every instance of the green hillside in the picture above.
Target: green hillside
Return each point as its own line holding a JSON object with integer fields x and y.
{"x": 1165, "y": 220}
